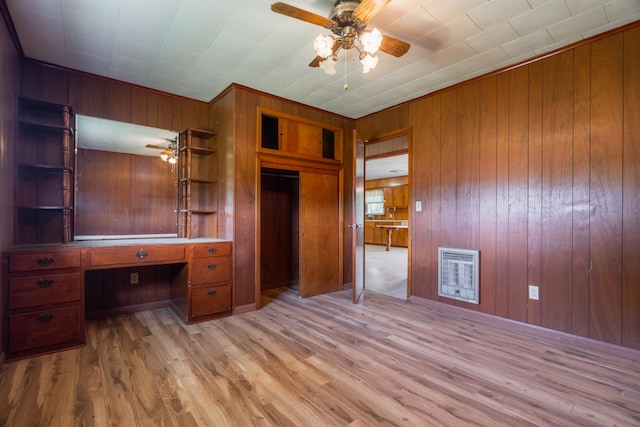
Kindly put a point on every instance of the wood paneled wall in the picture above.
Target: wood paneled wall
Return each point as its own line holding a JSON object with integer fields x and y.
{"x": 539, "y": 168}
{"x": 119, "y": 193}
{"x": 109, "y": 99}
{"x": 108, "y": 291}
{"x": 222, "y": 121}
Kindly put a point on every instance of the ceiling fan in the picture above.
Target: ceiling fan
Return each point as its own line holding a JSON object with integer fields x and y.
{"x": 348, "y": 21}
{"x": 169, "y": 153}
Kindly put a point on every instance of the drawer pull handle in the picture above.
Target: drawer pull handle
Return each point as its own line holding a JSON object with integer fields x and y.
{"x": 45, "y": 318}
{"x": 212, "y": 250}
{"x": 45, "y": 283}
{"x": 142, "y": 254}
{"x": 212, "y": 293}
{"x": 43, "y": 262}
{"x": 212, "y": 266}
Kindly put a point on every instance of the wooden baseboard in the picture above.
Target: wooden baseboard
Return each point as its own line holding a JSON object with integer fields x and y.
{"x": 247, "y": 308}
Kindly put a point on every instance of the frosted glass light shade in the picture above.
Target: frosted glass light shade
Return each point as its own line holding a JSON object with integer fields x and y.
{"x": 371, "y": 41}
{"x": 323, "y": 45}
{"x": 368, "y": 62}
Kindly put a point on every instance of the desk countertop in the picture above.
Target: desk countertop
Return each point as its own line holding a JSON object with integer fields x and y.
{"x": 97, "y": 243}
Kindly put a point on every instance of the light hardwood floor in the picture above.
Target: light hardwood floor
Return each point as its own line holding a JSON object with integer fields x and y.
{"x": 322, "y": 361}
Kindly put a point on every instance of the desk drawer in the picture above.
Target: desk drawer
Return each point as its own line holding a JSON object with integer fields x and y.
{"x": 132, "y": 255}
{"x": 31, "y": 291}
{"x": 211, "y": 270}
{"x": 44, "y": 261}
{"x": 210, "y": 300}
{"x": 44, "y": 328}
{"x": 212, "y": 249}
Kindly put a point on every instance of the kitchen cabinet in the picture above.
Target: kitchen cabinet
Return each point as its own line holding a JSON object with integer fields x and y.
{"x": 396, "y": 197}
{"x": 401, "y": 196}
{"x": 388, "y": 197}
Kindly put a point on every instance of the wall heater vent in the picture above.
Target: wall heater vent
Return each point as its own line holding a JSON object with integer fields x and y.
{"x": 458, "y": 274}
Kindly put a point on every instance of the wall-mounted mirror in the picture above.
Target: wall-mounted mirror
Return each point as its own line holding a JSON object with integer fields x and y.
{"x": 123, "y": 187}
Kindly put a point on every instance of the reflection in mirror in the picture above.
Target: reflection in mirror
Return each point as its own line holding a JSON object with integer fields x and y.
{"x": 123, "y": 188}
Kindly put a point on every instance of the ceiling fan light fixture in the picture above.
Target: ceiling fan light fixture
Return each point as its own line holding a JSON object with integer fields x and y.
{"x": 329, "y": 64}
{"x": 323, "y": 45}
{"x": 170, "y": 154}
{"x": 371, "y": 41}
{"x": 348, "y": 20}
{"x": 368, "y": 62}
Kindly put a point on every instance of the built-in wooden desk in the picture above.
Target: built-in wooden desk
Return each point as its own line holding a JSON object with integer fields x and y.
{"x": 44, "y": 286}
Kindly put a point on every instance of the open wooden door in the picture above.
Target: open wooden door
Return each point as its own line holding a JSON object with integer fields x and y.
{"x": 358, "y": 219}
{"x": 319, "y": 233}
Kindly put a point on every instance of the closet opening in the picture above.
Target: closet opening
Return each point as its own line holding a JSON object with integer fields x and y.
{"x": 279, "y": 228}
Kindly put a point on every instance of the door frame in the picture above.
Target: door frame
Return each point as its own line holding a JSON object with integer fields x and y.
{"x": 411, "y": 212}
{"x": 357, "y": 226}
{"x": 274, "y": 161}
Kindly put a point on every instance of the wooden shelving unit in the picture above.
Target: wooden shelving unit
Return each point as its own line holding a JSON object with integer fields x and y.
{"x": 45, "y": 161}
{"x": 197, "y": 184}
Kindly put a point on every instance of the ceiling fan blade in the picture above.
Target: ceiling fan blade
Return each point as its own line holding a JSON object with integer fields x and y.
{"x": 393, "y": 46}
{"x": 367, "y": 9}
{"x": 318, "y": 59}
{"x": 303, "y": 15}
{"x": 157, "y": 147}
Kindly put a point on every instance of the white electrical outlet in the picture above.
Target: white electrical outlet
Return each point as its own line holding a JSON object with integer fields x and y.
{"x": 133, "y": 278}
{"x": 533, "y": 292}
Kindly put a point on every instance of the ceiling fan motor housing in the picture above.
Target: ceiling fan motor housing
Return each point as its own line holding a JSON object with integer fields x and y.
{"x": 346, "y": 25}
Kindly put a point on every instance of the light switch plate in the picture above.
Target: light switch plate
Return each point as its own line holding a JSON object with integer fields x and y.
{"x": 418, "y": 206}
{"x": 533, "y": 292}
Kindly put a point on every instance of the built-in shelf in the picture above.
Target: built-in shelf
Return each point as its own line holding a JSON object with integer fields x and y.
{"x": 197, "y": 184}
{"x": 44, "y": 173}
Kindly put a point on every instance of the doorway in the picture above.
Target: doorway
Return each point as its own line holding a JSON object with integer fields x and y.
{"x": 279, "y": 231}
{"x": 387, "y": 216}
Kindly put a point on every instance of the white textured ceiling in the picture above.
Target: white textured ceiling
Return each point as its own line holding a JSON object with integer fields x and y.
{"x": 196, "y": 48}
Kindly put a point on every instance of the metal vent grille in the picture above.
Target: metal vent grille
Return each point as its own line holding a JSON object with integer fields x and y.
{"x": 458, "y": 274}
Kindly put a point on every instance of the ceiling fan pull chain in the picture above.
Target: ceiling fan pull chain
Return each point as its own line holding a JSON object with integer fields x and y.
{"x": 346, "y": 59}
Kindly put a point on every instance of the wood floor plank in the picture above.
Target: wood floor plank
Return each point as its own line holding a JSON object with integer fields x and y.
{"x": 323, "y": 361}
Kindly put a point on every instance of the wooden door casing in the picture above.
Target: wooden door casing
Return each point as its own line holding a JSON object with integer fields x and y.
{"x": 357, "y": 228}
